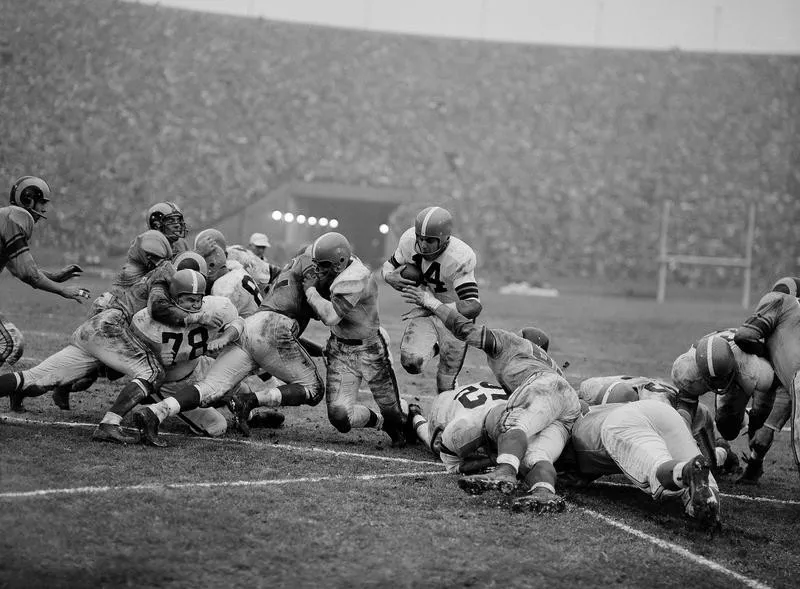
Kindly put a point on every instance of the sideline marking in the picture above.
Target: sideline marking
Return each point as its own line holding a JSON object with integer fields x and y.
{"x": 180, "y": 486}
{"x": 679, "y": 550}
{"x": 255, "y": 443}
{"x": 727, "y": 495}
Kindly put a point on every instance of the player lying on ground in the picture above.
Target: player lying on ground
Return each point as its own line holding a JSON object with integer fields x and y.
{"x": 446, "y": 265}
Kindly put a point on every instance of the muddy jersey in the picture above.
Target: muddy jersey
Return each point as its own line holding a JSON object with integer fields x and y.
{"x": 286, "y": 295}
{"x": 777, "y": 321}
{"x": 187, "y": 344}
{"x": 512, "y": 358}
{"x": 238, "y": 286}
{"x": 179, "y": 246}
{"x": 257, "y": 268}
{"x": 354, "y": 296}
{"x": 131, "y": 287}
{"x": 601, "y": 390}
{"x": 590, "y": 454}
{"x": 450, "y": 277}
{"x": 16, "y": 228}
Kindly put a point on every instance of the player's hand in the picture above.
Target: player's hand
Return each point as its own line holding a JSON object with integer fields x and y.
{"x": 418, "y": 295}
{"x": 396, "y": 281}
{"x": 76, "y": 293}
{"x": 216, "y": 344}
{"x": 67, "y": 273}
{"x": 210, "y": 320}
{"x": 310, "y": 278}
{"x": 762, "y": 440}
{"x": 167, "y": 356}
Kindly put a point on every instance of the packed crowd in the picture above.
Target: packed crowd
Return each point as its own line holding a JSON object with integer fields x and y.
{"x": 197, "y": 330}
{"x": 562, "y": 154}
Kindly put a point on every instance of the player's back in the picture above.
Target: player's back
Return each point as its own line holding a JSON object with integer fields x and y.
{"x": 238, "y": 286}
{"x": 600, "y": 390}
{"x": 467, "y": 411}
{"x": 285, "y": 294}
{"x": 783, "y": 312}
{"x": 354, "y": 295}
{"x": 517, "y": 359}
{"x": 16, "y": 227}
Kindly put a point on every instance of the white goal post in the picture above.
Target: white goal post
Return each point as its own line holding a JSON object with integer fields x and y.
{"x": 665, "y": 259}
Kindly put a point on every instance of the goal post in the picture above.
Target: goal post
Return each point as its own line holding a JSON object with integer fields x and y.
{"x": 665, "y": 259}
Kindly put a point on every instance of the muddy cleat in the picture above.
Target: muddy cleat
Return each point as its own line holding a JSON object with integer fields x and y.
{"x": 61, "y": 397}
{"x": 477, "y": 484}
{"x": 108, "y": 432}
{"x": 539, "y": 500}
{"x": 266, "y": 419}
{"x": 148, "y": 423}
{"x": 701, "y": 501}
{"x": 396, "y": 434}
{"x": 15, "y": 402}
{"x": 240, "y": 405}
{"x": 753, "y": 470}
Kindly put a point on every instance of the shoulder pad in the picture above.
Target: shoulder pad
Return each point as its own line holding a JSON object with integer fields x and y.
{"x": 220, "y": 306}
{"x": 352, "y": 280}
{"x": 21, "y": 219}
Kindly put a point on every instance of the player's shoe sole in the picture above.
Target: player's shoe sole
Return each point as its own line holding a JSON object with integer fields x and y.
{"x": 482, "y": 483}
{"x": 539, "y": 502}
{"x": 266, "y": 419}
{"x": 108, "y": 432}
{"x": 148, "y": 423}
{"x": 240, "y": 407}
{"x": 703, "y": 502}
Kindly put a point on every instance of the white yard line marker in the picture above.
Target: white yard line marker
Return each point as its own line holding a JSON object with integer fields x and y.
{"x": 727, "y": 495}
{"x": 209, "y": 485}
{"x": 679, "y": 550}
{"x": 257, "y": 444}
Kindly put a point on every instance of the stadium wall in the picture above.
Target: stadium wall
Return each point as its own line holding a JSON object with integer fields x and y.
{"x": 734, "y": 26}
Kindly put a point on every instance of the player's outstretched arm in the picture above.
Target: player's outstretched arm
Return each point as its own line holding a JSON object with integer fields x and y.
{"x": 66, "y": 273}
{"x": 463, "y": 328}
{"x": 25, "y": 268}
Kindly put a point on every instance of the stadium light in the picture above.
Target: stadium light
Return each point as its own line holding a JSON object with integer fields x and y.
{"x": 333, "y": 223}
{"x": 301, "y": 219}
{"x": 383, "y": 228}
{"x": 288, "y": 217}
{"x": 312, "y": 221}
{"x": 276, "y": 215}
{"x": 323, "y": 221}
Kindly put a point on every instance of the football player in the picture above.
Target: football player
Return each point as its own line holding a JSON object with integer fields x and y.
{"x": 167, "y": 218}
{"x": 183, "y": 351}
{"x": 260, "y": 270}
{"x": 650, "y": 444}
{"x": 28, "y": 204}
{"x": 761, "y": 439}
{"x": 603, "y": 390}
{"x": 773, "y": 331}
{"x": 716, "y": 363}
{"x": 229, "y": 278}
{"x": 448, "y": 268}
{"x": 541, "y": 407}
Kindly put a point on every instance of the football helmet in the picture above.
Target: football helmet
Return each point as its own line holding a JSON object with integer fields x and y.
{"x": 151, "y": 246}
{"x": 187, "y": 281}
{"x": 192, "y": 261}
{"x": 715, "y": 361}
{"x": 433, "y": 223}
{"x": 167, "y": 218}
{"x": 331, "y": 252}
{"x": 27, "y": 191}
{"x": 787, "y": 285}
{"x": 214, "y": 234}
{"x": 536, "y": 336}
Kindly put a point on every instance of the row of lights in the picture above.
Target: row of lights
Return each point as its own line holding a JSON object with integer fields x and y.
{"x": 302, "y": 219}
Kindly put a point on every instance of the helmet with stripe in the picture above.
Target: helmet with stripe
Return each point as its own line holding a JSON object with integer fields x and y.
{"x": 213, "y": 235}
{"x": 433, "y": 227}
{"x": 190, "y": 260}
{"x": 187, "y": 282}
{"x": 715, "y": 361}
{"x": 167, "y": 218}
{"x": 27, "y": 192}
{"x": 788, "y": 285}
{"x": 331, "y": 252}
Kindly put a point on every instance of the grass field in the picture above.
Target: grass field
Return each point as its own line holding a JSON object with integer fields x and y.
{"x": 305, "y": 506}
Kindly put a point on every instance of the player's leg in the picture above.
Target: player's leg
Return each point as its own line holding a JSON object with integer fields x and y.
{"x": 418, "y": 345}
{"x": 795, "y": 398}
{"x": 203, "y": 421}
{"x": 730, "y": 410}
{"x": 452, "y": 352}
{"x": 12, "y": 342}
{"x": 378, "y": 370}
{"x": 343, "y": 381}
{"x": 539, "y": 472}
{"x": 762, "y": 439}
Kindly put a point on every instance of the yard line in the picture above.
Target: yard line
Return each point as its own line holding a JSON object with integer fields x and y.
{"x": 257, "y": 444}
{"x": 210, "y": 485}
{"x": 728, "y": 495}
{"x": 679, "y": 550}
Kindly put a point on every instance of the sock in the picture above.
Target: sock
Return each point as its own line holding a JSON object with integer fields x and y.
{"x": 188, "y": 398}
{"x": 130, "y": 396}
{"x": 111, "y": 418}
{"x": 722, "y": 455}
{"x": 419, "y": 421}
{"x": 677, "y": 475}
{"x": 544, "y": 485}
{"x": 166, "y": 408}
{"x": 665, "y": 472}
{"x": 374, "y": 420}
{"x": 10, "y": 382}
{"x": 293, "y": 395}
{"x": 511, "y": 447}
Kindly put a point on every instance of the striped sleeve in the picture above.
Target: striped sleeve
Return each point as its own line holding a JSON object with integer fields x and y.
{"x": 467, "y": 290}
{"x": 14, "y": 246}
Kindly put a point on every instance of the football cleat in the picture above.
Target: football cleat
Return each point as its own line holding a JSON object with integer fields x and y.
{"x": 701, "y": 501}
{"x": 147, "y": 422}
{"x": 477, "y": 484}
{"x": 753, "y": 470}
{"x": 15, "y": 401}
{"x": 266, "y": 419}
{"x": 61, "y": 398}
{"x": 240, "y": 405}
{"x": 109, "y": 432}
{"x": 539, "y": 500}
{"x": 396, "y": 433}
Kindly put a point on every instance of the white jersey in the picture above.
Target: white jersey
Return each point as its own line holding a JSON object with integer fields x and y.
{"x": 256, "y": 267}
{"x": 601, "y": 390}
{"x": 459, "y": 416}
{"x": 187, "y": 344}
{"x": 238, "y": 286}
{"x": 450, "y": 277}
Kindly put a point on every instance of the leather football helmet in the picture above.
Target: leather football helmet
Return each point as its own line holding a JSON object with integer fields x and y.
{"x": 187, "y": 282}
{"x": 433, "y": 222}
{"x": 331, "y": 251}
{"x": 151, "y": 245}
{"x": 715, "y": 361}
{"x": 536, "y": 336}
{"x": 167, "y": 218}
{"x": 190, "y": 260}
{"x": 27, "y": 191}
{"x": 788, "y": 285}
{"x": 215, "y": 235}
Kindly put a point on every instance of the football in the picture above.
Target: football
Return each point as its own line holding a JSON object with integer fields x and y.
{"x": 412, "y": 273}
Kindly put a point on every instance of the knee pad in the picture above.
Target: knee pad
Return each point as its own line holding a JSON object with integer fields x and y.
{"x": 340, "y": 418}
{"x": 411, "y": 362}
